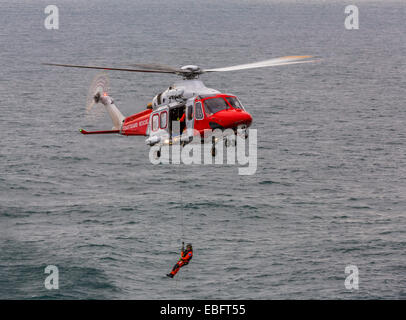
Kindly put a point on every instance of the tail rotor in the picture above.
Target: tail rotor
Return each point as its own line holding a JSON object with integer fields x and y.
{"x": 98, "y": 88}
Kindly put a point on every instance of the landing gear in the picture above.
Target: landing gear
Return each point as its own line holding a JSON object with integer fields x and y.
{"x": 229, "y": 141}
{"x": 242, "y": 132}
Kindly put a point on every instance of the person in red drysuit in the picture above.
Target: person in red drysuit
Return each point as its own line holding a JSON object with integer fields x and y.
{"x": 185, "y": 257}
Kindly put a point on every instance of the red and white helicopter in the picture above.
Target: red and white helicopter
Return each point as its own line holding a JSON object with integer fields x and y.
{"x": 189, "y": 101}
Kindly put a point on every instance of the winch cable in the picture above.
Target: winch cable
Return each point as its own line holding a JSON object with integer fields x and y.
{"x": 180, "y": 214}
{"x": 182, "y": 238}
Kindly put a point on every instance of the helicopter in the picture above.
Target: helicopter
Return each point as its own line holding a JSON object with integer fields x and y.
{"x": 188, "y": 102}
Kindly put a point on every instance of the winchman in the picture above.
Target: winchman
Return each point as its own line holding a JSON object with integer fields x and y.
{"x": 185, "y": 257}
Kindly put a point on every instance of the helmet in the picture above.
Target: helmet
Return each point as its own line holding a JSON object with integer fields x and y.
{"x": 189, "y": 245}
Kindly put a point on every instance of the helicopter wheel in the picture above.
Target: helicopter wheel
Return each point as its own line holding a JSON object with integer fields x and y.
{"x": 242, "y": 135}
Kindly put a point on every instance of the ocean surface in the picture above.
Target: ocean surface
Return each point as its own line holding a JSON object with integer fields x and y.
{"x": 329, "y": 190}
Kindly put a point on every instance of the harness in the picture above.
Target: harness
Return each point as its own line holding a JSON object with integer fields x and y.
{"x": 186, "y": 257}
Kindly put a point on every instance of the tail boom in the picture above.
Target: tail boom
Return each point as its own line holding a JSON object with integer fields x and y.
{"x": 134, "y": 125}
{"x": 116, "y": 116}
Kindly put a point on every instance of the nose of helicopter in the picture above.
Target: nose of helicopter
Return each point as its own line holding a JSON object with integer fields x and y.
{"x": 230, "y": 119}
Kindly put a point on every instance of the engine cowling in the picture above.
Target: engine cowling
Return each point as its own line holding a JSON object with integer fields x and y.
{"x": 167, "y": 96}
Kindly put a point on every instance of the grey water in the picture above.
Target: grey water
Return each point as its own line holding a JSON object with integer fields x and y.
{"x": 329, "y": 190}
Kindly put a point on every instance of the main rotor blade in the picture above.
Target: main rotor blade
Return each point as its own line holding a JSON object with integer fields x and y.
{"x": 266, "y": 63}
{"x": 109, "y": 68}
{"x": 158, "y": 67}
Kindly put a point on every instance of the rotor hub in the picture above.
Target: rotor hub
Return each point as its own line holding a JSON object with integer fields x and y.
{"x": 191, "y": 71}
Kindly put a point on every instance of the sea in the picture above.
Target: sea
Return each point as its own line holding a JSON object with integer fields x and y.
{"x": 323, "y": 216}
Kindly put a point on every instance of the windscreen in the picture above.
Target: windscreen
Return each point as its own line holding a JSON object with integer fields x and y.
{"x": 214, "y": 105}
{"x": 234, "y": 103}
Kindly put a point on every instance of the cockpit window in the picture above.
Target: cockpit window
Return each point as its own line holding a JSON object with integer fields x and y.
{"x": 214, "y": 105}
{"x": 234, "y": 103}
{"x": 190, "y": 112}
{"x": 198, "y": 110}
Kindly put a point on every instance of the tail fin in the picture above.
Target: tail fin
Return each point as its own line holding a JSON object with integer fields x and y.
{"x": 115, "y": 114}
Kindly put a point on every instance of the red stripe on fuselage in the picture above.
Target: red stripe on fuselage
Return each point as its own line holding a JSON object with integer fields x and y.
{"x": 137, "y": 124}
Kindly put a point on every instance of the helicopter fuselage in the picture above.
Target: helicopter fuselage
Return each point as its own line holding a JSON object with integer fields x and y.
{"x": 195, "y": 106}
{"x": 188, "y": 102}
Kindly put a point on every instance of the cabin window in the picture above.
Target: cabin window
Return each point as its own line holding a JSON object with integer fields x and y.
{"x": 190, "y": 112}
{"x": 199, "y": 111}
{"x": 214, "y": 105}
{"x": 155, "y": 122}
{"x": 235, "y": 103}
{"x": 163, "y": 119}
